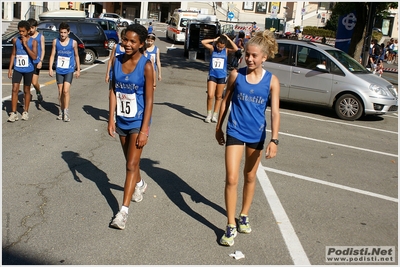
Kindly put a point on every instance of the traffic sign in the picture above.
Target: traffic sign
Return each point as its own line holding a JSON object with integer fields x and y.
{"x": 231, "y": 15}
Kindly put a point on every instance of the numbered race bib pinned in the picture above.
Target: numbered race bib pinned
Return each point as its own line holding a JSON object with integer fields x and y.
{"x": 63, "y": 62}
{"x": 22, "y": 61}
{"x": 218, "y": 63}
{"x": 126, "y": 105}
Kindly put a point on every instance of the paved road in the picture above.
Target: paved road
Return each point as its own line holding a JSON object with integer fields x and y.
{"x": 333, "y": 182}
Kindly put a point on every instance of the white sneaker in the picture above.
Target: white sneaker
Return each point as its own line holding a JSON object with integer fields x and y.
{"x": 13, "y": 117}
{"x": 25, "y": 116}
{"x": 214, "y": 119}
{"x": 138, "y": 194}
{"x": 120, "y": 220}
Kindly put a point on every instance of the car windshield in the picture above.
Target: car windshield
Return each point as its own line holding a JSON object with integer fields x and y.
{"x": 347, "y": 61}
{"x": 183, "y": 22}
{"x": 9, "y": 35}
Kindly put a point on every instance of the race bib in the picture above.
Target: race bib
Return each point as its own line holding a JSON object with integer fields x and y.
{"x": 63, "y": 62}
{"x": 22, "y": 61}
{"x": 153, "y": 58}
{"x": 218, "y": 63}
{"x": 126, "y": 105}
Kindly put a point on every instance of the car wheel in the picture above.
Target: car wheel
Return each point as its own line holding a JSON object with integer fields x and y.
{"x": 124, "y": 24}
{"x": 349, "y": 107}
{"x": 111, "y": 43}
{"x": 90, "y": 56}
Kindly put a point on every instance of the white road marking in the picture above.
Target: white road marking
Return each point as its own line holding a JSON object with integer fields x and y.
{"x": 331, "y": 184}
{"x": 292, "y": 241}
{"x": 338, "y": 144}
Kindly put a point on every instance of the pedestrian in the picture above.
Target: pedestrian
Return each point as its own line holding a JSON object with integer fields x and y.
{"x": 323, "y": 40}
{"x": 395, "y": 49}
{"x": 67, "y": 61}
{"x": 131, "y": 100}
{"x": 153, "y": 53}
{"x": 23, "y": 53}
{"x": 379, "y": 67}
{"x": 218, "y": 71}
{"x": 249, "y": 90}
{"x": 38, "y": 62}
{"x": 117, "y": 49}
{"x": 383, "y": 52}
{"x": 150, "y": 28}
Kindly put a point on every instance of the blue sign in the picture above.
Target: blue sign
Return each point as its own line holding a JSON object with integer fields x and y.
{"x": 345, "y": 31}
{"x": 231, "y": 15}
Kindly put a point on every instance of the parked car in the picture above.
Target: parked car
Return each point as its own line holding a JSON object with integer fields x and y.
{"x": 320, "y": 74}
{"x": 110, "y": 29}
{"x": 49, "y": 36}
{"x": 92, "y": 35}
{"x": 116, "y": 18}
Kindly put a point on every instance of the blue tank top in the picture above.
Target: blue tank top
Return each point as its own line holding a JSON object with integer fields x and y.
{"x": 153, "y": 56}
{"x": 218, "y": 63}
{"x": 39, "y": 48}
{"x": 129, "y": 91}
{"x": 118, "y": 51}
{"x": 23, "y": 62}
{"x": 249, "y": 101}
{"x": 65, "y": 62}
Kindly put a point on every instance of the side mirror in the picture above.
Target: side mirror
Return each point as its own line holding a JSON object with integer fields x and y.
{"x": 322, "y": 68}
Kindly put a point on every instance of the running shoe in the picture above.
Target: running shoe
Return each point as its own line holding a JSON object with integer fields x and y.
{"x": 60, "y": 116}
{"x": 214, "y": 119}
{"x": 120, "y": 220}
{"x": 230, "y": 234}
{"x": 39, "y": 97}
{"x": 66, "y": 117}
{"x": 138, "y": 194}
{"x": 25, "y": 116}
{"x": 244, "y": 226}
{"x": 13, "y": 117}
{"x": 208, "y": 119}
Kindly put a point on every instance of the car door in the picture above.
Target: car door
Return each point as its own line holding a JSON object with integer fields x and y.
{"x": 307, "y": 83}
{"x": 281, "y": 67}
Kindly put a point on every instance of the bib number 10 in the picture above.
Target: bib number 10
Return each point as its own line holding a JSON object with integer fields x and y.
{"x": 126, "y": 105}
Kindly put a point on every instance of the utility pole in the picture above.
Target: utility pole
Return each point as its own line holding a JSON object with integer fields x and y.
{"x": 368, "y": 36}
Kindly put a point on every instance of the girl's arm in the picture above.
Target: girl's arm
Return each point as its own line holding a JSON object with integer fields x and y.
{"x": 272, "y": 148}
{"x": 42, "y": 44}
{"x": 112, "y": 55}
{"x": 112, "y": 104}
{"x": 78, "y": 64}
{"x": 223, "y": 111}
{"x": 12, "y": 58}
{"x": 52, "y": 55}
{"x": 206, "y": 43}
{"x": 158, "y": 65}
{"x": 148, "y": 105}
{"x": 235, "y": 48}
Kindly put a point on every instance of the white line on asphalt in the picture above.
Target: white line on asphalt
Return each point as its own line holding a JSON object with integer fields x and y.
{"x": 43, "y": 85}
{"x": 331, "y": 184}
{"x": 337, "y": 144}
{"x": 292, "y": 241}
{"x": 339, "y": 122}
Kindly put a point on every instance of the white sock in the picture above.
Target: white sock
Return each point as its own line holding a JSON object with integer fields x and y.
{"x": 215, "y": 115}
{"x": 140, "y": 183}
{"x": 125, "y": 208}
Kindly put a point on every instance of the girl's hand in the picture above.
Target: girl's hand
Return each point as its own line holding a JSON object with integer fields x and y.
{"x": 219, "y": 135}
{"x": 271, "y": 150}
{"x": 141, "y": 140}
{"x": 9, "y": 74}
{"x": 39, "y": 65}
{"x": 111, "y": 128}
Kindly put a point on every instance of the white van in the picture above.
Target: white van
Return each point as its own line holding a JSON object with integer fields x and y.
{"x": 177, "y": 24}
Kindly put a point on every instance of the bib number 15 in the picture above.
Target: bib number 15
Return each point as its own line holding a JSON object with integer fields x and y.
{"x": 126, "y": 105}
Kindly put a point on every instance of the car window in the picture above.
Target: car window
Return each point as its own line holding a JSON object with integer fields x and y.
{"x": 115, "y": 16}
{"x": 112, "y": 25}
{"x": 347, "y": 61}
{"x": 103, "y": 24}
{"x": 72, "y": 28}
{"x": 183, "y": 22}
{"x": 309, "y": 58}
{"x": 50, "y": 35}
{"x": 282, "y": 56}
{"x": 90, "y": 29}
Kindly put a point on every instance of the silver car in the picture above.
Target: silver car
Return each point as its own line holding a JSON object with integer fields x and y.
{"x": 320, "y": 74}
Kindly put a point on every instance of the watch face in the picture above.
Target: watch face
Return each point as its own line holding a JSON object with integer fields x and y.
{"x": 275, "y": 141}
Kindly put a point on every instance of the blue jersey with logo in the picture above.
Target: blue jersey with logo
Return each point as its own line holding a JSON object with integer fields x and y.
{"x": 23, "y": 62}
{"x": 65, "y": 62}
{"x": 249, "y": 101}
{"x": 129, "y": 91}
{"x": 39, "y": 48}
{"x": 152, "y": 55}
{"x": 118, "y": 51}
{"x": 218, "y": 63}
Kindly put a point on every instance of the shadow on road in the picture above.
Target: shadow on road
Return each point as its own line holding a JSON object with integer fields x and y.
{"x": 183, "y": 110}
{"x": 174, "y": 187}
{"x": 88, "y": 170}
{"x": 96, "y": 113}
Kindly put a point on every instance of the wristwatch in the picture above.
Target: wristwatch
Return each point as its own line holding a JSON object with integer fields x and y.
{"x": 275, "y": 141}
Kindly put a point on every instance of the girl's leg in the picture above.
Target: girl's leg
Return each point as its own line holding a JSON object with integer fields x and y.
{"x": 60, "y": 96}
{"x": 233, "y": 156}
{"x": 218, "y": 99}
{"x": 211, "y": 86}
{"x": 132, "y": 166}
{"x": 14, "y": 97}
{"x": 27, "y": 96}
{"x": 65, "y": 92}
{"x": 252, "y": 160}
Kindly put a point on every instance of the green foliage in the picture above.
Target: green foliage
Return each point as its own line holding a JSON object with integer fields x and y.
{"x": 316, "y": 31}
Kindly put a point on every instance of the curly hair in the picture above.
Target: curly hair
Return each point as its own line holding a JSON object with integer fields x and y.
{"x": 266, "y": 41}
{"x": 141, "y": 31}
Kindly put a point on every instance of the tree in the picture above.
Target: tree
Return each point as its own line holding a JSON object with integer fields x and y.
{"x": 362, "y": 10}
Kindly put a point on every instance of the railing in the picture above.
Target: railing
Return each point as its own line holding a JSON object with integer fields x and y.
{"x": 34, "y": 11}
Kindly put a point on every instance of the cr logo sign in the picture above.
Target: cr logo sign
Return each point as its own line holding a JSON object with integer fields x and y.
{"x": 349, "y": 21}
